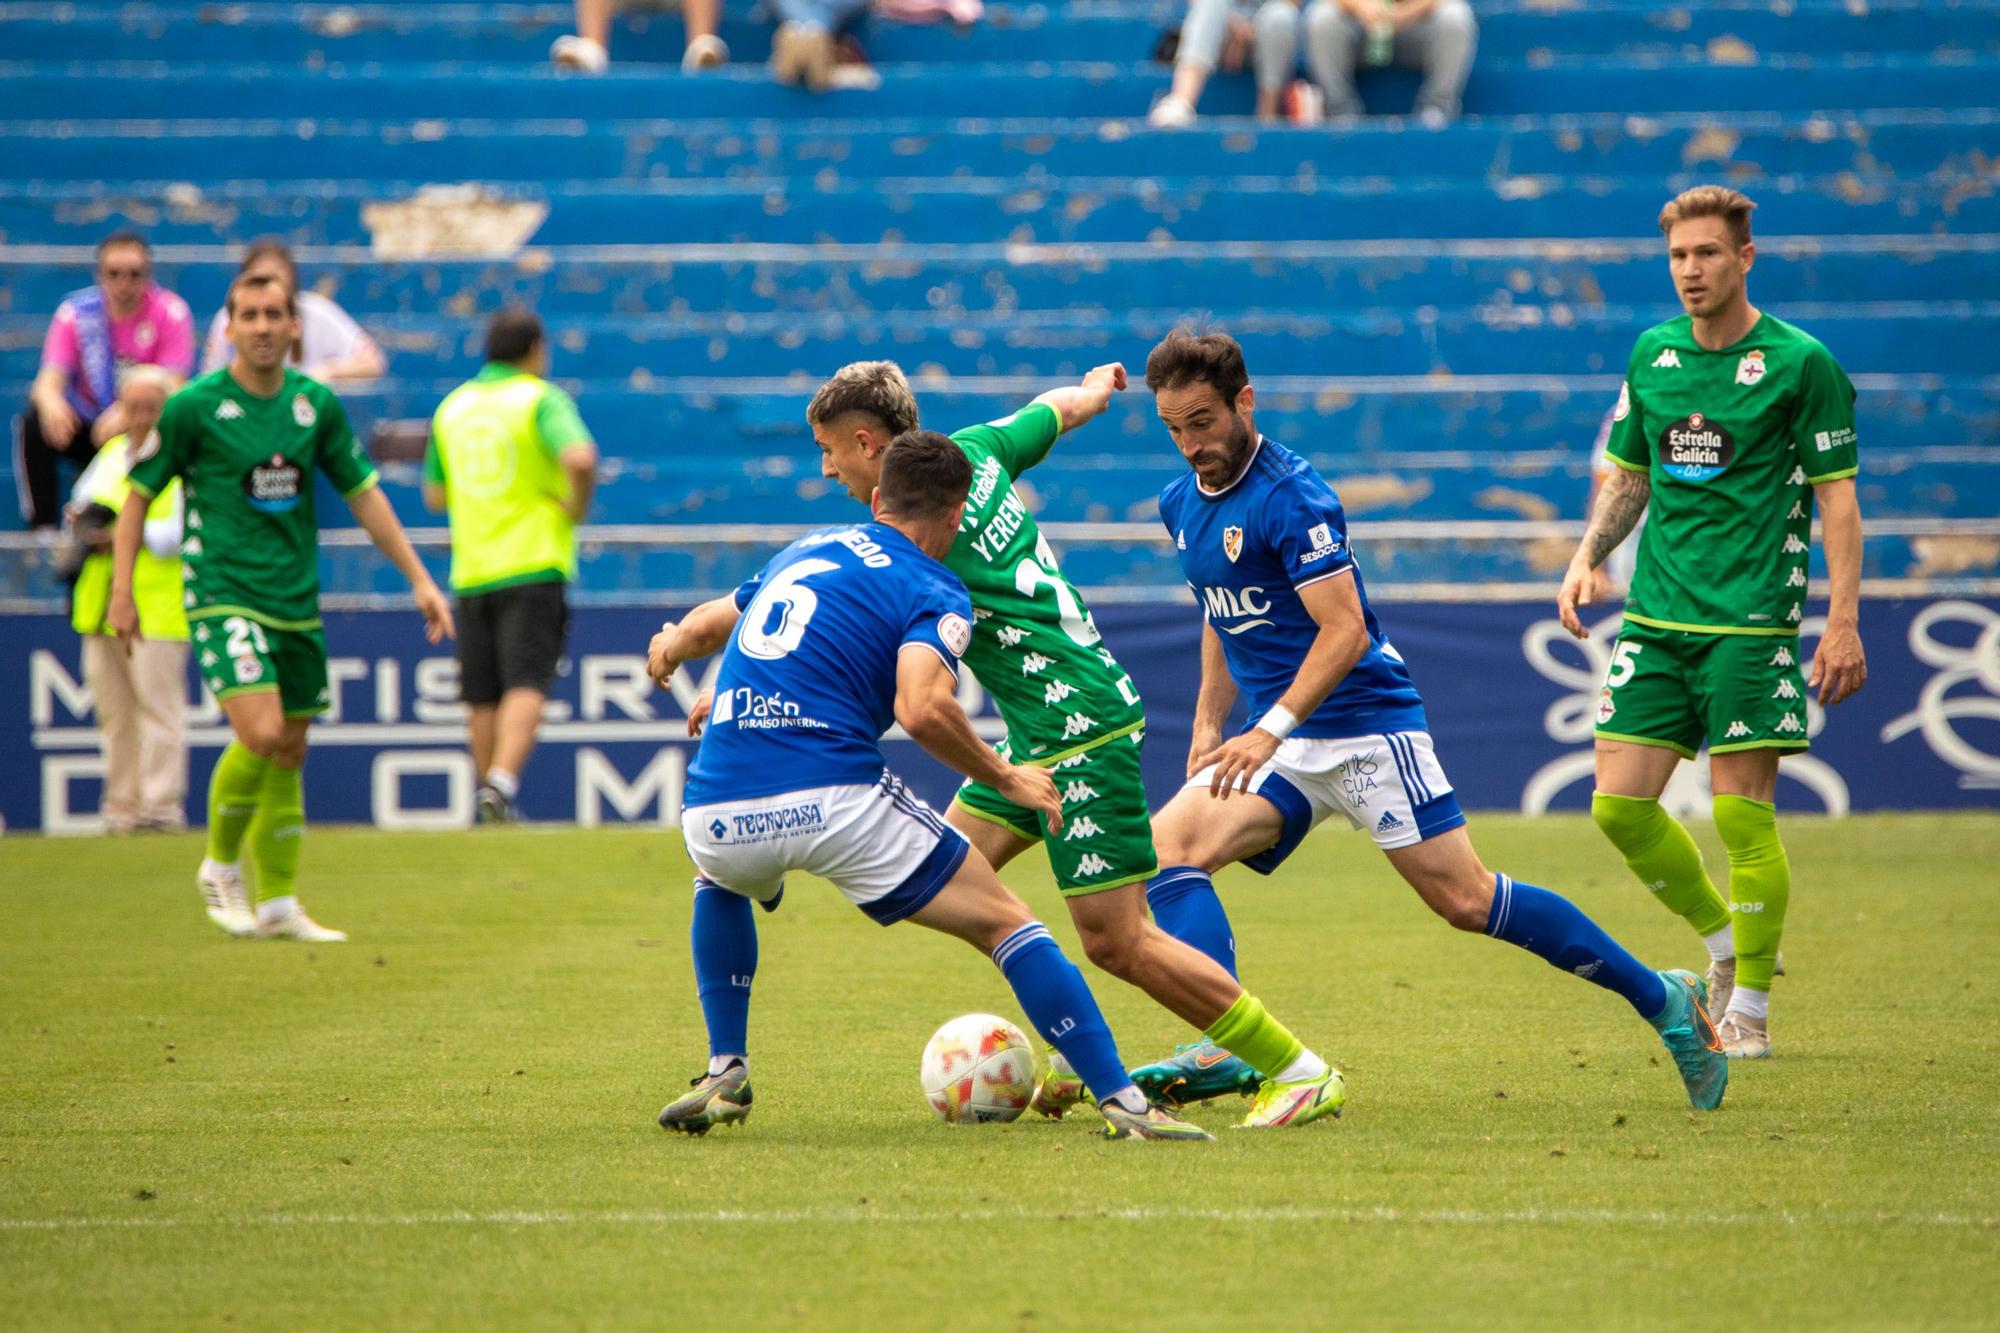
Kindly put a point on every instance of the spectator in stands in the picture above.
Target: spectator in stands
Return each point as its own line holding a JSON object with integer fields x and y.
{"x": 331, "y": 347}
{"x": 140, "y": 697}
{"x": 588, "y": 49}
{"x": 1219, "y": 34}
{"x": 1435, "y": 36}
{"x": 512, "y": 464}
{"x": 124, "y": 319}
{"x": 814, "y": 47}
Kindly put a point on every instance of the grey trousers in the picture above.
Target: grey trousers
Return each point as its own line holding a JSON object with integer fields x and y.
{"x": 1441, "y": 44}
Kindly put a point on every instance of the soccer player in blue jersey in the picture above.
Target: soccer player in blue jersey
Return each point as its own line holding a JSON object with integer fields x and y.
{"x": 1337, "y": 727}
{"x": 843, "y": 632}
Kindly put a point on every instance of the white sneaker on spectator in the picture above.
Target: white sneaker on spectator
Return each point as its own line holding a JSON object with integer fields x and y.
{"x": 580, "y": 54}
{"x": 223, "y": 894}
{"x": 1170, "y": 113}
{"x": 1432, "y": 119}
{"x": 284, "y": 919}
{"x": 854, "y": 79}
{"x": 802, "y": 54}
{"x": 704, "y": 52}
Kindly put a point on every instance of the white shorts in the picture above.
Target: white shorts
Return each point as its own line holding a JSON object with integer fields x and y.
{"x": 879, "y": 844}
{"x": 1390, "y": 785}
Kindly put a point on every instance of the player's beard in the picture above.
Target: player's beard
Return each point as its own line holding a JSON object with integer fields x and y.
{"x": 1233, "y": 452}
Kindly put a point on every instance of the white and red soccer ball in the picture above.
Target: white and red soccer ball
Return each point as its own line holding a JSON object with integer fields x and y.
{"x": 978, "y": 1069}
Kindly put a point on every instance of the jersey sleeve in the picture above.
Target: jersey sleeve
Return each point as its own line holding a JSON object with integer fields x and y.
{"x": 1627, "y": 447}
{"x": 1823, "y": 419}
{"x": 341, "y": 457}
{"x": 560, "y": 424}
{"x": 941, "y": 620}
{"x": 158, "y": 460}
{"x": 59, "y": 351}
{"x": 175, "y": 348}
{"x": 1307, "y": 529}
{"x": 1019, "y": 441}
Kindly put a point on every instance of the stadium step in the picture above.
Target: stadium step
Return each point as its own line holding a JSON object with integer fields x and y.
{"x": 1751, "y": 149}
{"x": 132, "y": 90}
{"x": 317, "y": 34}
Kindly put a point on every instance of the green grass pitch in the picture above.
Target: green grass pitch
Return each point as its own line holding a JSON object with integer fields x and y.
{"x": 449, "y": 1121}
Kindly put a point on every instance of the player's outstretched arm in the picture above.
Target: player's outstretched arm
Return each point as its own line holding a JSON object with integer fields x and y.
{"x": 1212, "y": 702}
{"x": 121, "y": 615}
{"x": 1335, "y": 607}
{"x": 927, "y": 708}
{"x": 1839, "y": 666}
{"x": 1078, "y": 403}
{"x": 703, "y": 631}
{"x": 1620, "y": 502}
{"x": 378, "y": 520}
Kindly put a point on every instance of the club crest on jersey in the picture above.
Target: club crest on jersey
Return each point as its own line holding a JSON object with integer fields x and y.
{"x": 302, "y": 411}
{"x": 1232, "y": 543}
{"x": 956, "y": 632}
{"x": 1751, "y": 368}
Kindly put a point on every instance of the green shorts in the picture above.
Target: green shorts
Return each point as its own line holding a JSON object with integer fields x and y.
{"x": 1678, "y": 689}
{"x": 240, "y": 656}
{"x": 1107, "y": 836}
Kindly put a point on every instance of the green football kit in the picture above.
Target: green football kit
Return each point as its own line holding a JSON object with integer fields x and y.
{"x": 1067, "y": 703}
{"x": 1733, "y": 441}
{"x": 251, "y": 553}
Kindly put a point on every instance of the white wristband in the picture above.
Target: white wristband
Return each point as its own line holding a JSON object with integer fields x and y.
{"x": 1279, "y": 721}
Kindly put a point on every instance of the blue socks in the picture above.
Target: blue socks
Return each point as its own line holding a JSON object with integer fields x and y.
{"x": 1549, "y": 926}
{"x": 1056, "y": 1000}
{"x": 725, "y": 959}
{"x": 1185, "y": 906}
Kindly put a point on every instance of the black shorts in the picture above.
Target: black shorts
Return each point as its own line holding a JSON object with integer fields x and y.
{"x": 510, "y": 639}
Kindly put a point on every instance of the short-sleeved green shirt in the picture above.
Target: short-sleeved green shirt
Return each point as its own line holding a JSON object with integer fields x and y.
{"x": 1733, "y": 441}
{"x": 247, "y": 463}
{"x": 1035, "y": 648}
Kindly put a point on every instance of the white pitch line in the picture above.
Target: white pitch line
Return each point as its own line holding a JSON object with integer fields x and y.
{"x": 871, "y": 1216}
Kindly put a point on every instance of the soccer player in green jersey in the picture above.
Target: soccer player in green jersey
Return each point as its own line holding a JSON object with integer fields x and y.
{"x": 245, "y": 442}
{"x": 1067, "y": 704}
{"x": 1731, "y": 429}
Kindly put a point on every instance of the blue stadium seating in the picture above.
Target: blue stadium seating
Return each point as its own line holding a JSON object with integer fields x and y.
{"x": 1439, "y": 318}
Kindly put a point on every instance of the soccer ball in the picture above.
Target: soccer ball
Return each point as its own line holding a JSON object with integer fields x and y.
{"x": 978, "y": 1069}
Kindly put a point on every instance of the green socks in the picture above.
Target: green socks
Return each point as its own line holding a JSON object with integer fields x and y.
{"x": 1256, "y": 1038}
{"x": 233, "y": 792}
{"x": 277, "y": 831}
{"x": 1666, "y": 860}
{"x": 1760, "y": 884}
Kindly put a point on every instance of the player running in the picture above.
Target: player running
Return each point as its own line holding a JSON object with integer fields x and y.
{"x": 1731, "y": 427}
{"x": 1069, "y": 707}
{"x": 246, "y": 441}
{"x": 843, "y": 632}
{"x": 1338, "y": 727}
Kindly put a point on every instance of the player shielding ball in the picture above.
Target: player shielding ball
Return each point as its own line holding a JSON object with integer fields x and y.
{"x": 246, "y": 442}
{"x": 842, "y": 633}
{"x": 1731, "y": 428}
{"x": 1337, "y": 727}
{"x": 1071, "y": 708}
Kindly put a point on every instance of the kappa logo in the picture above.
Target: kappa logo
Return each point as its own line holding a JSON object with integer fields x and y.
{"x": 192, "y": 546}
{"x": 1388, "y": 822}
{"x": 1788, "y": 725}
{"x": 1074, "y": 761}
{"x": 1785, "y": 690}
{"x": 1078, "y": 829}
{"x": 1736, "y": 730}
{"x": 208, "y": 657}
{"x": 1010, "y": 636}
{"x": 1798, "y": 477}
{"x": 1078, "y": 791}
{"x": 1057, "y": 691}
{"x": 1798, "y": 509}
{"x": 1783, "y": 657}
{"x": 1751, "y": 368}
{"x": 1668, "y": 359}
{"x": 229, "y": 410}
{"x": 1794, "y": 616}
{"x": 1232, "y": 542}
{"x": 1076, "y": 724}
{"x": 1090, "y": 863}
{"x": 1793, "y": 546}
{"x": 1796, "y": 579}
{"x": 981, "y": 613}
{"x": 1034, "y": 664}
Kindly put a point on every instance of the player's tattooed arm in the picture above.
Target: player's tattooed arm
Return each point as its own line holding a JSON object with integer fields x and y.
{"x": 703, "y": 632}
{"x": 1078, "y": 403}
{"x": 1620, "y": 503}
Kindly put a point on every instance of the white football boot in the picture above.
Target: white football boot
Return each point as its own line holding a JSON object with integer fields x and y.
{"x": 223, "y": 894}
{"x": 284, "y": 919}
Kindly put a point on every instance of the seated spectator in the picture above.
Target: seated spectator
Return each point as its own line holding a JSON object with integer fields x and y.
{"x": 331, "y": 348}
{"x": 814, "y": 47}
{"x": 1435, "y": 36}
{"x": 123, "y": 320}
{"x": 1219, "y": 34}
{"x": 141, "y": 697}
{"x": 588, "y": 49}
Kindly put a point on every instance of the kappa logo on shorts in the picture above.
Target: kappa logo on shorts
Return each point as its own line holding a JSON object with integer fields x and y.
{"x": 1090, "y": 863}
{"x": 1085, "y": 827}
{"x": 1788, "y": 725}
{"x": 1784, "y": 658}
{"x": 1736, "y": 730}
{"x": 1078, "y": 790}
{"x": 1785, "y": 690}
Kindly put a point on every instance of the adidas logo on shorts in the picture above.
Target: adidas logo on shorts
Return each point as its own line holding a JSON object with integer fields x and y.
{"x": 1388, "y": 822}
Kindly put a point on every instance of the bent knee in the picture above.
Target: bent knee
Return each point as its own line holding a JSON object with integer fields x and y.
{"x": 1119, "y": 955}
